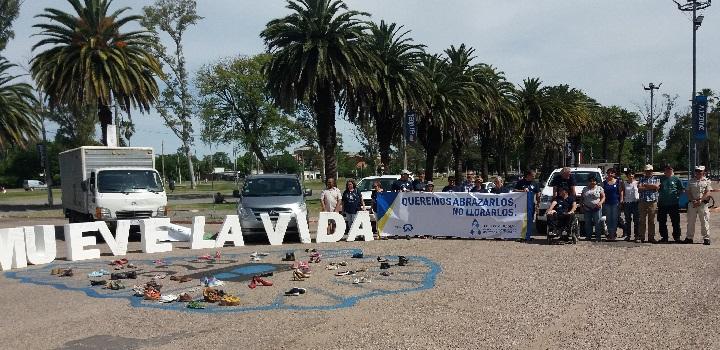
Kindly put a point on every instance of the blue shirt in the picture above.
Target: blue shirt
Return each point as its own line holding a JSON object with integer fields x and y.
{"x": 612, "y": 192}
{"x": 563, "y": 205}
{"x": 649, "y": 195}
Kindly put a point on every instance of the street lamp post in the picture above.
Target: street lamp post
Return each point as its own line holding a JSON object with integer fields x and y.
{"x": 651, "y": 120}
{"x": 693, "y": 6}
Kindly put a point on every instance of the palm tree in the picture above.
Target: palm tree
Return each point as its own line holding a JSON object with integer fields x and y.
{"x": 627, "y": 126}
{"x": 19, "y": 123}
{"x": 396, "y": 81}
{"x": 532, "y": 102}
{"x": 320, "y": 57}
{"x": 90, "y": 61}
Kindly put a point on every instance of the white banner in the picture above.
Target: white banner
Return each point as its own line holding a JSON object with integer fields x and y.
{"x": 467, "y": 215}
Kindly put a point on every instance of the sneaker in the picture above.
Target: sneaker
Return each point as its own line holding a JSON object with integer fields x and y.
{"x": 253, "y": 283}
{"x": 402, "y": 261}
{"x": 331, "y": 267}
{"x": 638, "y": 240}
{"x": 357, "y": 255}
{"x": 626, "y": 238}
{"x": 295, "y": 291}
{"x": 168, "y": 298}
{"x": 706, "y": 241}
{"x": 384, "y": 266}
{"x": 289, "y": 257}
{"x": 254, "y": 259}
{"x": 382, "y": 259}
{"x": 386, "y": 273}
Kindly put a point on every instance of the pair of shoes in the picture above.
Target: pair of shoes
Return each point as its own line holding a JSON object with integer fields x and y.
{"x": 212, "y": 282}
{"x": 706, "y": 241}
{"x": 196, "y": 305}
{"x": 114, "y": 285}
{"x": 123, "y": 275}
{"x": 181, "y": 279}
{"x": 289, "y": 257}
{"x": 168, "y": 298}
{"x": 402, "y": 261}
{"x": 384, "y": 266}
{"x": 212, "y": 295}
{"x": 300, "y": 275}
{"x": 98, "y": 282}
{"x": 361, "y": 280}
{"x": 295, "y": 291}
{"x": 687, "y": 241}
{"x": 258, "y": 280}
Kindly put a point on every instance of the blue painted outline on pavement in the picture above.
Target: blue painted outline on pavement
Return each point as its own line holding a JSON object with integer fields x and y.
{"x": 428, "y": 282}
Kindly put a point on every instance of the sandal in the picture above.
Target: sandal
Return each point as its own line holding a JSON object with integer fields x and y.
{"x": 212, "y": 295}
{"x": 185, "y": 297}
{"x": 114, "y": 285}
{"x": 138, "y": 291}
{"x": 196, "y": 305}
{"x": 253, "y": 283}
{"x": 168, "y": 298}
{"x": 152, "y": 294}
{"x": 67, "y": 273}
{"x": 297, "y": 275}
{"x": 229, "y": 300}
{"x": 262, "y": 281}
{"x": 153, "y": 284}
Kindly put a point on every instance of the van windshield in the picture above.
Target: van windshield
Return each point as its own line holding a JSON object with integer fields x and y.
{"x": 126, "y": 181}
{"x": 271, "y": 187}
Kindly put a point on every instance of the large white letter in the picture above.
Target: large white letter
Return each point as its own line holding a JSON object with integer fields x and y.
{"x": 340, "y": 226}
{"x": 122, "y": 233}
{"x": 40, "y": 244}
{"x": 276, "y": 234}
{"x": 231, "y": 224}
{"x": 361, "y": 227}
{"x": 198, "y": 240}
{"x": 76, "y": 242}
{"x": 303, "y": 227}
{"x": 151, "y": 234}
{"x": 12, "y": 248}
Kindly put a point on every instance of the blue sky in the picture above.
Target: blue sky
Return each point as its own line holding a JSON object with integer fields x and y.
{"x": 607, "y": 48}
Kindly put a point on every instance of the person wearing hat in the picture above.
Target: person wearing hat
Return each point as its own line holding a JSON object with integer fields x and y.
{"x": 698, "y": 197}
{"x": 403, "y": 184}
{"x": 648, "y": 185}
{"x": 670, "y": 189}
{"x": 429, "y": 187}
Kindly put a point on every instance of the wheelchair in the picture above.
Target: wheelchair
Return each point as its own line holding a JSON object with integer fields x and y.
{"x": 565, "y": 231}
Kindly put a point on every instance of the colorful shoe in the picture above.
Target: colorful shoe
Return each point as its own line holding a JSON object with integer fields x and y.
{"x": 253, "y": 283}
{"x": 262, "y": 281}
{"x": 95, "y": 274}
{"x": 212, "y": 295}
{"x": 217, "y": 255}
{"x": 152, "y": 294}
{"x": 196, "y": 305}
{"x": 229, "y": 300}
{"x": 205, "y": 257}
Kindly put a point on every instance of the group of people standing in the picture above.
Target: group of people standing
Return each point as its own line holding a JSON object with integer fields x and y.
{"x": 642, "y": 201}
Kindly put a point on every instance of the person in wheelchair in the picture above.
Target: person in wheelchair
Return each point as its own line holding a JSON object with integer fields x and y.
{"x": 561, "y": 211}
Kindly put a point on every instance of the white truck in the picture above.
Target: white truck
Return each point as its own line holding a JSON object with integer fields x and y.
{"x": 110, "y": 184}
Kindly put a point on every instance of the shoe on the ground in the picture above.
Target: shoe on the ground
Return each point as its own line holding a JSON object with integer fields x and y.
{"x": 706, "y": 241}
{"x": 381, "y": 259}
{"x": 402, "y": 261}
{"x": 687, "y": 241}
{"x": 384, "y": 266}
{"x": 637, "y": 240}
{"x": 289, "y": 257}
{"x": 295, "y": 291}
{"x": 626, "y": 238}
{"x": 358, "y": 255}
{"x": 652, "y": 241}
{"x": 386, "y": 273}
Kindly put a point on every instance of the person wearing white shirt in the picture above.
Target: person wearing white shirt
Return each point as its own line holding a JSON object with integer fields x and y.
{"x": 630, "y": 207}
{"x": 331, "y": 201}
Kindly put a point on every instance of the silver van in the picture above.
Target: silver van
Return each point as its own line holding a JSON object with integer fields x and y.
{"x": 31, "y": 185}
{"x": 272, "y": 194}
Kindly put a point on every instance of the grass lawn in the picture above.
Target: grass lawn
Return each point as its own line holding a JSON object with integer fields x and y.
{"x": 21, "y": 193}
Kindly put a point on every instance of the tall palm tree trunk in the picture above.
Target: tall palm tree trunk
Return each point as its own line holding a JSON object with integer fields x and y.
{"x": 605, "y": 141}
{"x": 324, "y": 107}
{"x": 528, "y": 154}
{"x": 385, "y": 131}
{"x": 105, "y": 117}
{"x": 457, "y": 149}
{"x": 484, "y": 156}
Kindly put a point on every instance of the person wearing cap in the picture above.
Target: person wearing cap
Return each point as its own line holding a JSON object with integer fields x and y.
{"x": 669, "y": 194}
{"x": 430, "y": 187}
{"x": 403, "y": 184}
{"x": 419, "y": 184}
{"x": 698, "y": 197}
{"x": 648, "y": 185}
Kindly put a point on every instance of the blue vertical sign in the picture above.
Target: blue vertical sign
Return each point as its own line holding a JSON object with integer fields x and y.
{"x": 700, "y": 118}
{"x": 410, "y": 127}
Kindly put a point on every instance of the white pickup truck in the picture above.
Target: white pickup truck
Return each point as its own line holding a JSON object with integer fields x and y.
{"x": 110, "y": 184}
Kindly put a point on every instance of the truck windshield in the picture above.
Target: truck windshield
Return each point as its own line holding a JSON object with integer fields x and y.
{"x": 270, "y": 187}
{"x": 125, "y": 181}
{"x": 366, "y": 184}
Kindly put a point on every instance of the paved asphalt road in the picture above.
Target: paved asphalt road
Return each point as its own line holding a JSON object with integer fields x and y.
{"x": 454, "y": 294}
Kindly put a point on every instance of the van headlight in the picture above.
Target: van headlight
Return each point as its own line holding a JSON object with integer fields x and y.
{"x": 102, "y": 213}
{"x": 162, "y": 211}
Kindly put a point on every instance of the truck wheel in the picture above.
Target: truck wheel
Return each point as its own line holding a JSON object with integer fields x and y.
{"x": 541, "y": 227}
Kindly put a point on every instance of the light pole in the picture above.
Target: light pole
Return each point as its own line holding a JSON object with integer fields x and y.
{"x": 651, "y": 120}
{"x": 693, "y": 6}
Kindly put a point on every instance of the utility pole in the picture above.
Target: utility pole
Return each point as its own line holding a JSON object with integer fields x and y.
{"x": 651, "y": 119}
{"x": 162, "y": 159}
{"x": 693, "y": 6}
{"x": 46, "y": 158}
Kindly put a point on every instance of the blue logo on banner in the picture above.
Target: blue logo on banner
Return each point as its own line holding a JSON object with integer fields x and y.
{"x": 408, "y": 228}
{"x": 700, "y": 118}
{"x": 475, "y": 227}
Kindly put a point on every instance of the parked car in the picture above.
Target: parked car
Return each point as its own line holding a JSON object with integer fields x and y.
{"x": 272, "y": 194}
{"x": 32, "y": 185}
{"x": 580, "y": 175}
